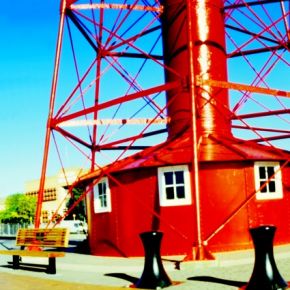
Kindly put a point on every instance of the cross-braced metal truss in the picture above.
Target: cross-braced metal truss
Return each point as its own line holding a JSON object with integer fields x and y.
{"x": 108, "y": 97}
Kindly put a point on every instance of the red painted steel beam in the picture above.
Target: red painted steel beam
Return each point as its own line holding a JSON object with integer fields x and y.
{"x": 82, "y": 30}
{"x": 241, "y": 87}
{"x": 248, "y": 4}
{"x": 50, "y": 114}
{"x": 112, "y": 145}
{"x": 133, "y": 55}
{"x": 195, "y": 166}
{"x": 258, "y": 50}
{"x": 64, "y": 108}
{"x": 260, "y": 129}
{"x": 123, "y": 99}
{"x": 261, "y": 114}
{"x": 72, "y": 137}
{"x": 255, "y": 35}
{"x": 207, "y": 59}
{"x": 70, "y": 2}
{"x": 120, "y": 148}
{"x": 117, "y": 6}
{"x": 130, "y": 39}
{"x": 272, "y": 138}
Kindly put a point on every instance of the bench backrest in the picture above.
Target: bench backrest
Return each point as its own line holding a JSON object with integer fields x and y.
{"x": 56, "y": 237}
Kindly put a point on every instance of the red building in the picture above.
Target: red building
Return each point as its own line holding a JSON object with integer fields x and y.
{"x": 240, "y": 183}
{"x": 153, "y": 191}
{"x": 203, "y": 187}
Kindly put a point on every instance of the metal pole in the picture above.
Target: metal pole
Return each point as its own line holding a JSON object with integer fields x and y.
{"x": 50, "y": 115}
{"x": 195, "y": 164}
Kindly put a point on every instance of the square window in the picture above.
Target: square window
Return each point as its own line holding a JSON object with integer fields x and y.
{"x": 268, "y": 180}
{"x": 102, "y": 196}
{"x": 174, "y": 185}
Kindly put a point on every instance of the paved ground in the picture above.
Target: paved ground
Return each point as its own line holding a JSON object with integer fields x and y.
{"x": 78, "y": 271}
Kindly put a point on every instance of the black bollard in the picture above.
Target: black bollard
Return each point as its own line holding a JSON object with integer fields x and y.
{"x": 265, "y": 274}
{"x": 154, "y": 275}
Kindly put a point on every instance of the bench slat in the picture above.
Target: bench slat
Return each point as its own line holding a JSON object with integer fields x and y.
{"x": 56, "y": 237}
{"x": 28, "y": 253}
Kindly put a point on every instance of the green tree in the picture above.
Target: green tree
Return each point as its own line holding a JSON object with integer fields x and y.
{"x": 19, "y": 208}
{"x": 79, "y": 211}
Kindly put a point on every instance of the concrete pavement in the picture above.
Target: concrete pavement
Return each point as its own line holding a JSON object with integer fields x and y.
{"x": 228, "y": 271}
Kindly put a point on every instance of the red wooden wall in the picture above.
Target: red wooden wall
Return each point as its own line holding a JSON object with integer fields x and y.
{"x": 225, "y": 186}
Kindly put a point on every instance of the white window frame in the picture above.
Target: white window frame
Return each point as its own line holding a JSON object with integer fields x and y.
{"x": 164, "y": 201}
{"x": 278, "y": 193}
{"x": 98, "y": 207}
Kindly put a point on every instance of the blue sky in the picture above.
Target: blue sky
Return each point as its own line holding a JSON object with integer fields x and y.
{"x": 28, "y": 35}
{"x": 28, "y": 32}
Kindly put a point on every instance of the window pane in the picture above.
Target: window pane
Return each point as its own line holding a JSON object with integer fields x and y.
{"x": 264, "y": 189}
{"x": 101, "y": 197}
{"x": 272, "y": 186}
{"x": 102, "y": 194}
{"x": 170, "y": 193}
{"x": 262, "y": 172}
{"x": 180, "y": 192}
{"x": 168, "y": 177}
{"x": 179, "y": 177}
{"x": 100, "y": 188}
{"x": 270, "y": 170}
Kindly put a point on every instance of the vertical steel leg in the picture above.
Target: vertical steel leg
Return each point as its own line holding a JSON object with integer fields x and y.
{"x": 16, "y": 260}
{"x": 51, "y": 269}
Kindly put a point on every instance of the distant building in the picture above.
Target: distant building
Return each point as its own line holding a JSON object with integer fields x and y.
{"x": 55, "y": 193}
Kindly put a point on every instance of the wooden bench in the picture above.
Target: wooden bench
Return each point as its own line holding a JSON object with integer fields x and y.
{"x": 31, "y": 242}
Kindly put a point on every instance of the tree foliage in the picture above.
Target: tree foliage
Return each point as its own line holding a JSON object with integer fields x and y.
{"x": 19, "y": 208}
{"x": 79, "y": 212}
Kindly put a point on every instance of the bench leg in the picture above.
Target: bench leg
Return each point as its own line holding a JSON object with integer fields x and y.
{"x": 16, "y": 260}
{"x": 51, "y": 269}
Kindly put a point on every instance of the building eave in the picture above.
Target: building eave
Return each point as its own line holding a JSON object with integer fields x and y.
{"x": 179, "y": 151}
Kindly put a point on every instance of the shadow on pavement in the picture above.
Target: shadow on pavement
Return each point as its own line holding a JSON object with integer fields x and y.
{"x": 27, "y": 267}
{"x": 217, "y": 280}
{"x": 79, "y": 247}
{"x": 123, "y": 276}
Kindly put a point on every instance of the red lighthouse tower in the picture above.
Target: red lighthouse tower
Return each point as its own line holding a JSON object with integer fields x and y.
{"x": 195, "y": 50}
{"x": 167, "y": 113}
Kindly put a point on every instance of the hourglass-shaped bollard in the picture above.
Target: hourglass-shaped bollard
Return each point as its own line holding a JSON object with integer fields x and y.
{"x": 154, "y": 275}
{"x": 265, "y": 274}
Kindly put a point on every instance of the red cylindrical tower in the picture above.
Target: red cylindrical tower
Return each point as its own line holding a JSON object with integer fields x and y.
{"x": 201, "y": 44}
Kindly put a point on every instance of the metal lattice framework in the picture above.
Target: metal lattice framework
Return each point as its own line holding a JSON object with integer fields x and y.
{"x": 108, "y": 91}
